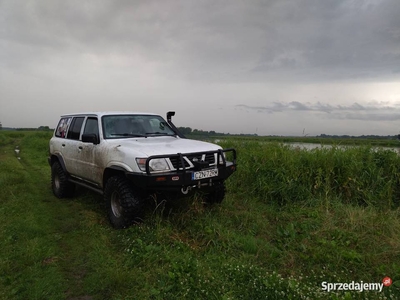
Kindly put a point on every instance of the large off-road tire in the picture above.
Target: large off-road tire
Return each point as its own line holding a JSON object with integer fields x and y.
{"x": 216, "y": 195}
{"x": 124, "y": 204}
{"x": 60, "y": 185}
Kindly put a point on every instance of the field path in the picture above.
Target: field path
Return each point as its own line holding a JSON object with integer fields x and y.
{"x": 47, "y": 240}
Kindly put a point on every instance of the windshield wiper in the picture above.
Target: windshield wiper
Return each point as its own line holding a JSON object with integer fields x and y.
{"x": 159, "y": 133}
{"x": 129, "y": 134}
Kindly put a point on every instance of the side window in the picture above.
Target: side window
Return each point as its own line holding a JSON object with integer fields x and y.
{"x": 91, "y": 126}
{"x": 75, "y": 128}
{"x": 62, "y": 127}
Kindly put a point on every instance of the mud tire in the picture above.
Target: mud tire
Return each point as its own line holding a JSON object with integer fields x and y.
{"x": 60, "y": 185}
{"x": 124, "y": 204}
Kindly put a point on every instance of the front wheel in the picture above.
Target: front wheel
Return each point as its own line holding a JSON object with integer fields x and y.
{"x": 217, "y": 194}
{"x": 124, "y": 204}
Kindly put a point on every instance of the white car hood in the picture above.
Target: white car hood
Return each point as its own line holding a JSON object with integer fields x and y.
{"x": 163, "y": 145}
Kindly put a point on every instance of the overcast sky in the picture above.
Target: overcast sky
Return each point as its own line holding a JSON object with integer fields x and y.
{"x": 268, "y": 67}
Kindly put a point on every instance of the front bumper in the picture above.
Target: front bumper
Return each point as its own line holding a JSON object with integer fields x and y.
{"x": 183, "y": 177}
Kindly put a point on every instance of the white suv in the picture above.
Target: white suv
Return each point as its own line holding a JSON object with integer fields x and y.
{"x": 128, "y": 156}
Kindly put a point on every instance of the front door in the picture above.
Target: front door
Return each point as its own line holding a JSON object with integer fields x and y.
{"x": 89, "y": 167}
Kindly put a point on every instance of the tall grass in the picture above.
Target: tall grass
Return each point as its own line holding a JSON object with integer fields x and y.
{"x": 290, "y": 220}
{"x": 281, "y": 174}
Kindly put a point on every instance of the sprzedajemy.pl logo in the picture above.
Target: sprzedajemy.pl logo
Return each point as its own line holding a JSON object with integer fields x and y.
{"x": 356, "y": 286}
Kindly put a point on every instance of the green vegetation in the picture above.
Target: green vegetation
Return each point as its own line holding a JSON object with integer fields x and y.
{"x": 282, "y": 174}
{"x": 291, "y": 220}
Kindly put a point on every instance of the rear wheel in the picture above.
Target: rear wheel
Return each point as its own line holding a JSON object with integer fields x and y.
{"x": 217, "y": 194}
{"x": 59, "y": 182}
{"x": 124, "y": 204}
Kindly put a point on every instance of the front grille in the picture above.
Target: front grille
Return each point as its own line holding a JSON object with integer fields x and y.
{"x": 176, "y": 161}
{"x": 197, "y": 157}
{"x": 210, "y": 158}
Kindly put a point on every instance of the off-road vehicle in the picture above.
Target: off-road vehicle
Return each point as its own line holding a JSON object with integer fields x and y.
{"x": 128, "y": 156}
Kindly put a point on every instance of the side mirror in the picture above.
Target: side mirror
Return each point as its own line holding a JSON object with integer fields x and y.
{"x": 90, "y": 138}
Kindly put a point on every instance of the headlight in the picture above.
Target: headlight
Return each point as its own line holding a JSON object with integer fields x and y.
{"x": 157, "y": 164}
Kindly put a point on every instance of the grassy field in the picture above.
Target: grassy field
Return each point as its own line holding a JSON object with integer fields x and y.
{"x": 291, "y": 220}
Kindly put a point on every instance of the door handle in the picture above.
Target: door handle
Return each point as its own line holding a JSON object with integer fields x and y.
{"x": 80, "y": 147}
{"x": 63, "y": 145}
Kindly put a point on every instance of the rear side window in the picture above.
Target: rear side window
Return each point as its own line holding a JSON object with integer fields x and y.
{"x": 75, "y": 128}
{"x": 63, "y": 127}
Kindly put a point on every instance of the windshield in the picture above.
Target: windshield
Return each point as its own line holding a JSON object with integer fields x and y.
{"x": 125, "y": 126}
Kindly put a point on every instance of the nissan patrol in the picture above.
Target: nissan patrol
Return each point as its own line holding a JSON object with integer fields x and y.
{"x": 127, "y": 156}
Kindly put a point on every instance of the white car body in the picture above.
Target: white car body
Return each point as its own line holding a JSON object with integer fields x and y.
{"x": 87, "y": 161}
{"x": 100, "y": 149}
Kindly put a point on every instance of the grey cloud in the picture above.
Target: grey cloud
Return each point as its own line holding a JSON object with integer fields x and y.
{"x": 368, "y": 116}
{"x": 295, "y": 105}
{"x": 355, "y": 111}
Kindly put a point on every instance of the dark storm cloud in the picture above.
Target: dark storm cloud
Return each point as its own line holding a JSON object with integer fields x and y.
{"x": 336, "y": 39}
{"x": 236, "y": 40}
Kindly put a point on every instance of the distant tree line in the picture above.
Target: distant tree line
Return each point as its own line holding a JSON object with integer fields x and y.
{"x": 374, "y": 137}
{"x": 40, "y": 128}
{"x": 198, "y": 132}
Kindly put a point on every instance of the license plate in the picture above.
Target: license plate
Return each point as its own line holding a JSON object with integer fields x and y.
{"x": 204, "y": 174}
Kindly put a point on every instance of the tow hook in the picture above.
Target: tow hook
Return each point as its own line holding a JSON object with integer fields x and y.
{"x": 185, "y": 190}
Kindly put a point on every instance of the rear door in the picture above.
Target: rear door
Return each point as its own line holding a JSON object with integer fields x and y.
{"x": 71, "y": 145}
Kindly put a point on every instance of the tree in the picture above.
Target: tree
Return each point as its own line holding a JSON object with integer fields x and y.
{"x": 1, "y": 126}
{"x": 185, "y": 130}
